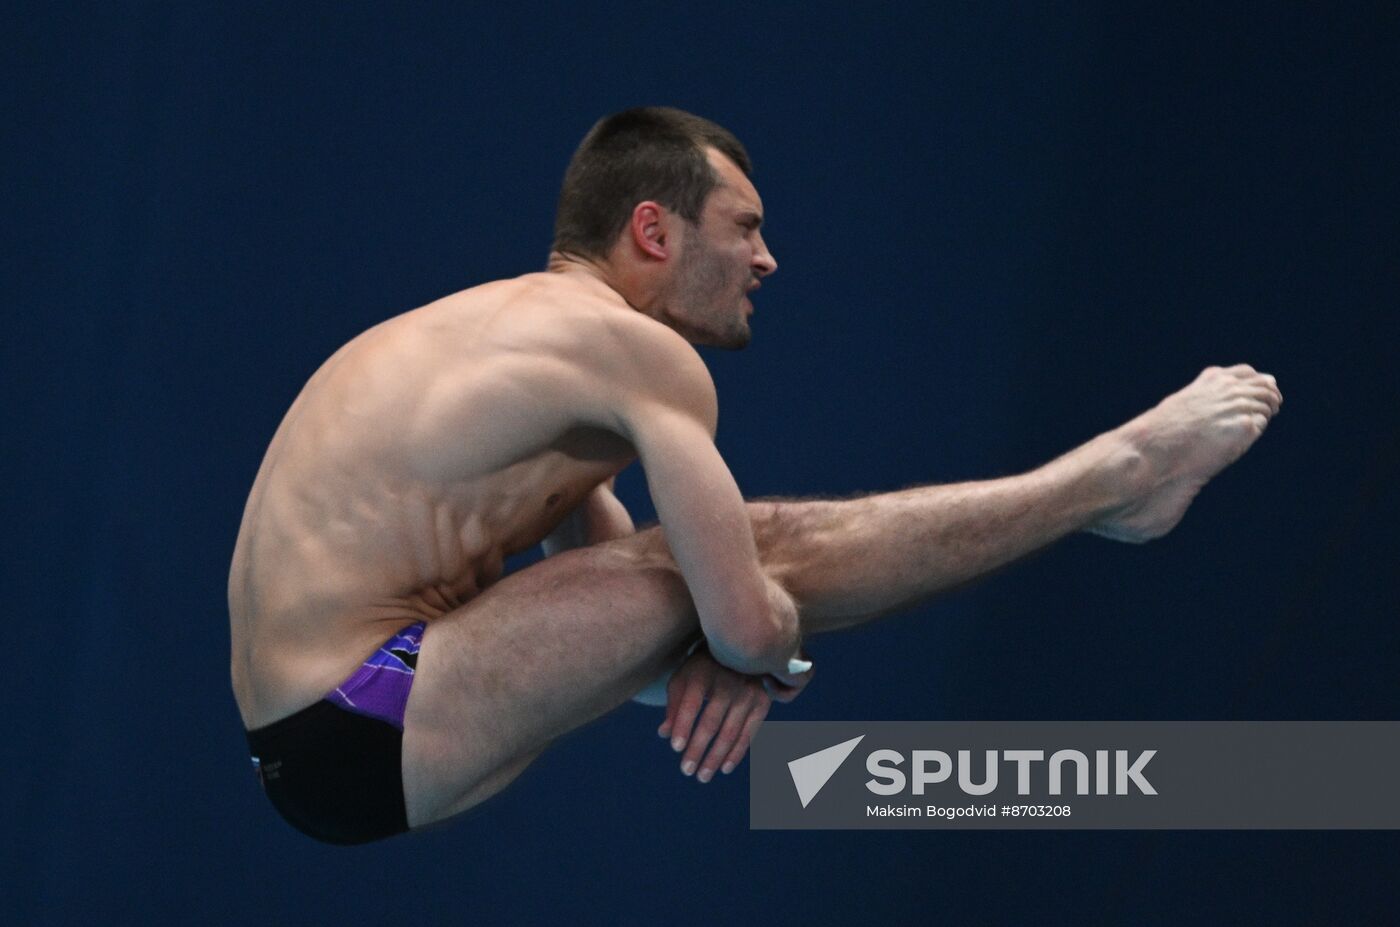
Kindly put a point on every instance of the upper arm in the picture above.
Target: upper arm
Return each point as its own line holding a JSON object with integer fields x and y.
{"x": 664, "y": 403}
{"x": 707, "y": 529}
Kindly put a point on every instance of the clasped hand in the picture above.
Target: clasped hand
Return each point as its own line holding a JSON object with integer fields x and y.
{"x": 734, "y": 706}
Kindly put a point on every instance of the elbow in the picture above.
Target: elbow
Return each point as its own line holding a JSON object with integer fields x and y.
{"x": 756, "y": 650}
{"x": 762, "y": 643}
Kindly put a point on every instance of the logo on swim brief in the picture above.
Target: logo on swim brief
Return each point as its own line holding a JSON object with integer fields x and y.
{"x": 813, "y": 771}
{"x": 266, "y": 771}
{"x": 408, "y": 658}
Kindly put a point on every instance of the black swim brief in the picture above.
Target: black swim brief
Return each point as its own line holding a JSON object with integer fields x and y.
{"x": 333, "y": 770}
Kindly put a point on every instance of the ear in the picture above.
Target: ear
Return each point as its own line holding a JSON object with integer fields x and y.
{"x": 650, "y": 228}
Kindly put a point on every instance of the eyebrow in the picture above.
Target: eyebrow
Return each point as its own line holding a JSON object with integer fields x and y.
{"x": 751, "y": 216}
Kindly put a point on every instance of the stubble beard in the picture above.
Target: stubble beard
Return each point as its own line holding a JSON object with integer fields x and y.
{"x": 708, "y": 295}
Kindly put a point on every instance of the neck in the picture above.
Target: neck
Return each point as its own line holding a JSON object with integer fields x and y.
{"x": 636, "y": 289}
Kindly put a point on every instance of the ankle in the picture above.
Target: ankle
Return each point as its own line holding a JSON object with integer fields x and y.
{"x": 1113, "y": 472}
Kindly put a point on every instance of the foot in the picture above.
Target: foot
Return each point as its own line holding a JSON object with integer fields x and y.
{"x": 1184, "y": 441}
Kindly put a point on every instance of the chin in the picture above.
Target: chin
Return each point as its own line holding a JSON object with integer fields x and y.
{"x": 735, "y": 339}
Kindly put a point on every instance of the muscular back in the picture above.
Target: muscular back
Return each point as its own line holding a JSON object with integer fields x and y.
{"x": 417, "y": 458}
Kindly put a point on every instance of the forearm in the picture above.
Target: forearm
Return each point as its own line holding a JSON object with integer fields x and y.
{"x": 599, "y": 517}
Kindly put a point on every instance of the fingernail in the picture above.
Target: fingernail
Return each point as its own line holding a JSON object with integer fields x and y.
{"x": 678, "y": 744}
{"x": 688, "y": 767}
{"x": 706, "y": 775}
{"x": 727, "y": 768}
{"x": 661, "y": 731}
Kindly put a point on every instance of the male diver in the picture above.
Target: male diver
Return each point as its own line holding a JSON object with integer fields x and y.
{"x": 386, "y": 674}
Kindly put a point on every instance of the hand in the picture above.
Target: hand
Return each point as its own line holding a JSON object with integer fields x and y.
{"x": 737, "y": 706}
{"x": 784, "y": 687}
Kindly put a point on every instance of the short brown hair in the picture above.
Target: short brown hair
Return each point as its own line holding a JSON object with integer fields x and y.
{"x": 649, "y": 153}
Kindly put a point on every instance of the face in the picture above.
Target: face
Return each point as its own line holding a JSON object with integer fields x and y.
{"x": 720, "y": 262}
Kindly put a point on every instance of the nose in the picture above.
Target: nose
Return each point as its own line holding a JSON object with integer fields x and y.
{"x": 763, "y": 261}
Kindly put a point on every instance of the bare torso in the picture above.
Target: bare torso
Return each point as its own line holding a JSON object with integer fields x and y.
{"x": 415, "y": 460}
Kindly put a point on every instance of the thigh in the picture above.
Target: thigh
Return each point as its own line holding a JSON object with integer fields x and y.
{"x": 542, "y": 652}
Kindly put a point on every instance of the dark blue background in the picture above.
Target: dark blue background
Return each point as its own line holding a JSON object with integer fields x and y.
{"x": 1001, "y": 231}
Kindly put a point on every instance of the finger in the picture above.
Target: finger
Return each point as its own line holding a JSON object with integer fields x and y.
{"x": 776, "y": 691}
{"x": 728, "y": 734}
{"x": 674, "y": 688}
{"x": 789, "y": 680}
{"x": 796, "y": 679}
{"x": 784, "y": 694}
{"x": 705, "y": 730}
{"x": 665, "y": 729}
{"x": 741, "y": 746}
{"x": 782, "y": 691}
{"x": 688, "y": 707}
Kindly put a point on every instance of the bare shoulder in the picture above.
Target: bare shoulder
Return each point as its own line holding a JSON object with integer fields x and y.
{"x": 646, "y": 363}
{"x": 607, "y": 358}
{"x": 545, "y": 354}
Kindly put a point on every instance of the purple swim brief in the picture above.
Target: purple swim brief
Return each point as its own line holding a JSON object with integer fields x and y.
{"x": 379, "y": 688}
{"x": 333, "y": 769}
